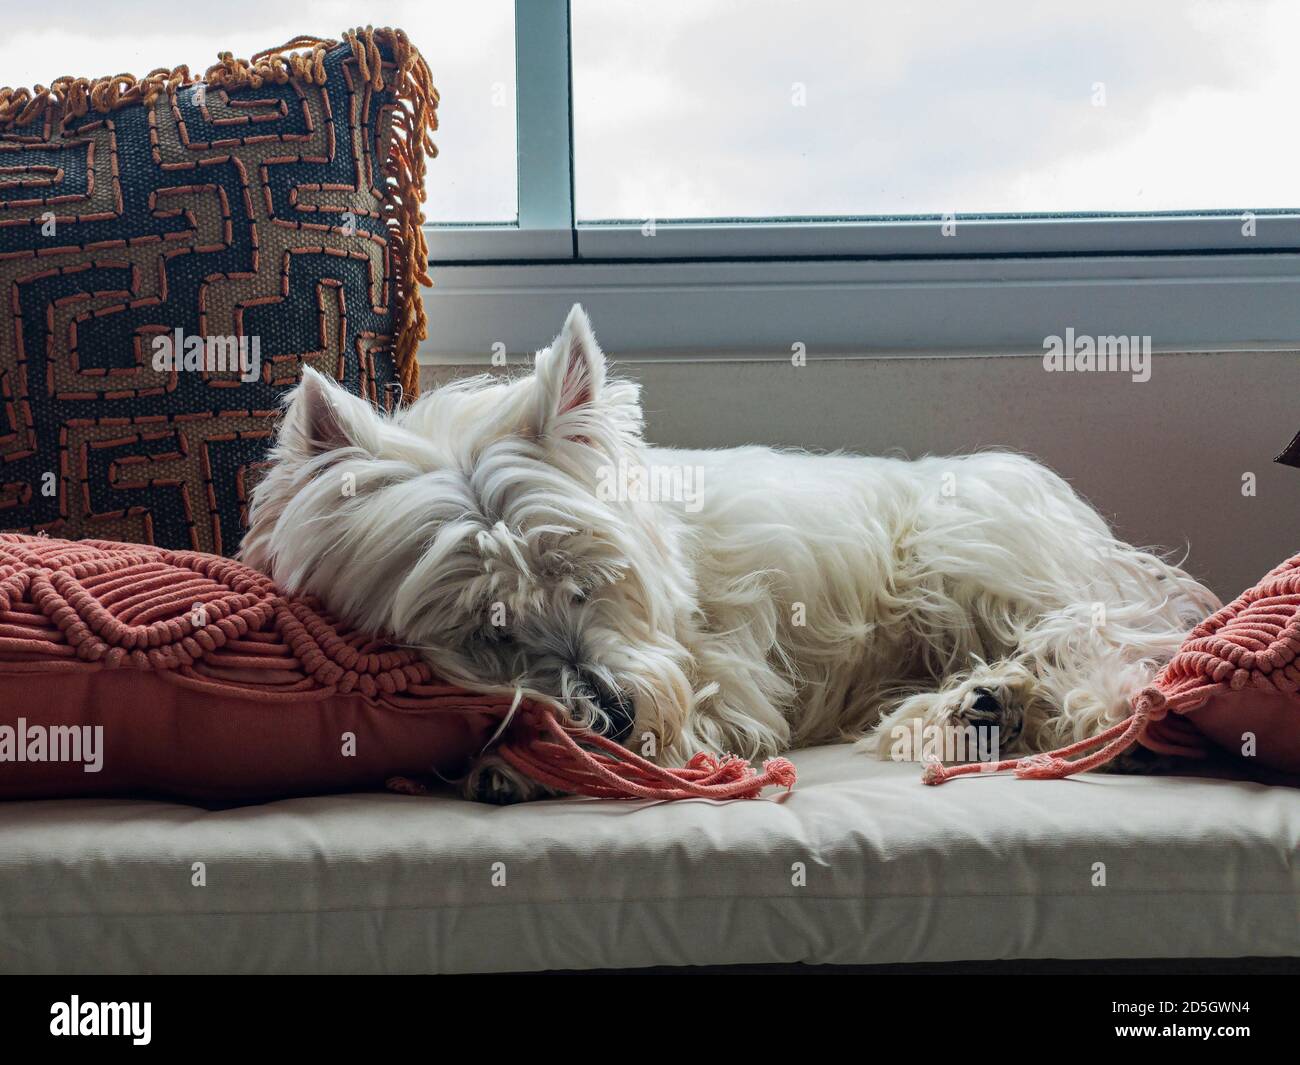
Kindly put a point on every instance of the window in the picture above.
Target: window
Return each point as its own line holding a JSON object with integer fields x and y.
{"x": 889, "y": 178}
{"x": 873, "y": 177}
{"x": 761, "y": 108}
{"x": 469, "y": 47}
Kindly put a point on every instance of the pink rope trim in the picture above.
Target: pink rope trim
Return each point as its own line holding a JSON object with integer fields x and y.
{"x": 557, "y": 757}
{"x": 1054, "y": 765}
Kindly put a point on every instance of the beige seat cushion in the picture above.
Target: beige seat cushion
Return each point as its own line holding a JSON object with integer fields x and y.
{"x": 861, "y": 864}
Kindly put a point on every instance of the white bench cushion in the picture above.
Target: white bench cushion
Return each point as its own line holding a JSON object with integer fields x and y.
{"x": 894, "y": 871}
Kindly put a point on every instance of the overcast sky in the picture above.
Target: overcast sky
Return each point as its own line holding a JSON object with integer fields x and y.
{"x": 707, "y": 108}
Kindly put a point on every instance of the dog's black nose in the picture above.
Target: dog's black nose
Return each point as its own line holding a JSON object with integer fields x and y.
{"x": 618, "y": 708}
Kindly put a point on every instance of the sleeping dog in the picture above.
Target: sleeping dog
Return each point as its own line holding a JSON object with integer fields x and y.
{"x": 523, "y": 534}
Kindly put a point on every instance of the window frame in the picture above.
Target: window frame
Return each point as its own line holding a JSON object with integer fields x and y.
{"x": 907, "y": 284}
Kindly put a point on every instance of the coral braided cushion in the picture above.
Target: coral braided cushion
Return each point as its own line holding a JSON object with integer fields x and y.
{"x": 127, "y": 668}
{"x": 1235, "y": 683}
{"x": 206, "y": 681}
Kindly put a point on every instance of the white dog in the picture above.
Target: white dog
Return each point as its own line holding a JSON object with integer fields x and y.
{"x": 517, "y": 533}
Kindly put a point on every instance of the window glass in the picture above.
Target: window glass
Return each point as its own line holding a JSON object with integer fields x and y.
{"x": 774, "y": 108}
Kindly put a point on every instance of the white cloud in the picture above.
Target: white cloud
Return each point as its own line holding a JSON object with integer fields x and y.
{"x": 684, "y": 110}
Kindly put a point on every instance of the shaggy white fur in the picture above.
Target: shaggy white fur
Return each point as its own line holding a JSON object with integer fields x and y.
{"x": 519, "y": 535}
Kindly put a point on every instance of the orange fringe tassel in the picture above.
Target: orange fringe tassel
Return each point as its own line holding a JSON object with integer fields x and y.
{"x": 302, "y": 59}
{"x": 1148, "y": 705}
{"x": 559, "y": 757}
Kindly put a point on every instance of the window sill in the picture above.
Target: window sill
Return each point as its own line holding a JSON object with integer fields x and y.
{"x": 762, "y": 308}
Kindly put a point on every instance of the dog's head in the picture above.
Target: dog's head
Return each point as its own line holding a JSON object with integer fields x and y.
{"x": 473, "y": 526}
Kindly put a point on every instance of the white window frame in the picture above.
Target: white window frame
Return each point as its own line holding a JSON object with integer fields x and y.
{"x": 753, "y": 287}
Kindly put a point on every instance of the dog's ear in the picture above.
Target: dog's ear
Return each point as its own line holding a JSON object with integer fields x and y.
{"x": 570, "y": 376}
{"x": 321, "y": 416}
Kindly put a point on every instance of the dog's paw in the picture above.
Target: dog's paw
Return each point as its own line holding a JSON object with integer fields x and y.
{"x": 996, "y": 696}
{"x": 494, "y": 780}
{"x": 990, "y": 707}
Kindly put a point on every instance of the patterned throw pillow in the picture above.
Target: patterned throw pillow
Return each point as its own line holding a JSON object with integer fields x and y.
{"x": 173, "y": 250}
